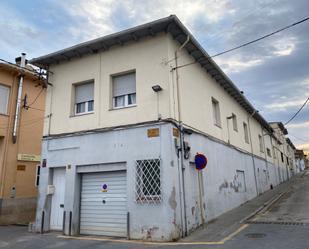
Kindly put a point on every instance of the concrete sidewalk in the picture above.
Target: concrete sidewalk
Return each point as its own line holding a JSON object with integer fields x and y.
{"x": 228, "y": 223}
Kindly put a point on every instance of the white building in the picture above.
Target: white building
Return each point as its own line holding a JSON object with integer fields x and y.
{"x": 128, "y": 116}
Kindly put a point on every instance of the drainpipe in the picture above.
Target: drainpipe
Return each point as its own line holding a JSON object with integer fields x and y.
{"x": 182, "y": 166}
{"x": 252, "y": 155}
{"x": 265, "y": 154}
{"x": 19, "y": 93}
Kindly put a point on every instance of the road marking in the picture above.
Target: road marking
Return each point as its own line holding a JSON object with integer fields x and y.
{"x": 143, "y": 242}
{"x": 221, "y": 242}
{"x": 235, "y": 233}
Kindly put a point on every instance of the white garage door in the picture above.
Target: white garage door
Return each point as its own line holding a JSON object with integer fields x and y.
{"x": 104, "y": 204}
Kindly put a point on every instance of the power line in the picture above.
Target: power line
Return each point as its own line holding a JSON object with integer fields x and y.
{"x": 298, "y": 138}
{"x": 35, "y": 98}
{"x": 250, "y": 42}
{"x": 30, "y": 122}
{"x": 297, "y": 112}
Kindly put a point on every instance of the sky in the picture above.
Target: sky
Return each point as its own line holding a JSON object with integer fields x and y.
{"x": 273, "y": 73}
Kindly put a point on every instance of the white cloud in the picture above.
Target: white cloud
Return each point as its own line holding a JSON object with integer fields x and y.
{"x": 284, "y": 47}
{"x": 236, "y": 65}
{"x": 299, "y": 125}
{"x": 95, "y": 18}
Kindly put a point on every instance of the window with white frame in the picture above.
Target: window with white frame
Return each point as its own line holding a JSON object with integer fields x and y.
{"x": 4, "y": 99}
{"x": 246, "y": 132}
{"x": 234, "y": 118}
{"x": 261, "y": 143}
{"x": 37, "y": 177}
{"x": 274, "y": 152}
{"x": 148, "y": 181}
{"x": 124, "y": 90}
{"x": 84, "y": 100}
{"x": 216, "y": 112}
{"x": 268, "y": 152}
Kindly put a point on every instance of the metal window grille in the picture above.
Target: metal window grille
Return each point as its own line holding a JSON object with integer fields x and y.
{"x": 148, "y": 181}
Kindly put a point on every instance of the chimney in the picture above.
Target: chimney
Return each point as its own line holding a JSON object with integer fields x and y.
{"x": 21, "y": 60}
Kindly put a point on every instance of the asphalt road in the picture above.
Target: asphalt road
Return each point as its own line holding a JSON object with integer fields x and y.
{"x": 284, "y": 225}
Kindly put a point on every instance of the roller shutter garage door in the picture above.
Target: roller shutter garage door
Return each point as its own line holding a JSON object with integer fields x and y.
{"x": 104, "y": 204}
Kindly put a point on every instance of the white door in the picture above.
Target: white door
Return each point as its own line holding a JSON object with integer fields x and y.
{"x": 57, "y": 205}
{"x": 104, "y": 204}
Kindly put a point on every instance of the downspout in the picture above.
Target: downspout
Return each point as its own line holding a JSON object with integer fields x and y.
{"x": 265, "y": 154}
{"x": 18, "y": 102}
{"x": 181, "y": 165}
{"x": 252, "y": 155}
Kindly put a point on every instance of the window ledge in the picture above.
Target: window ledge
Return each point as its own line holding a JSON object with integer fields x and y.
{"x": 81, "y": 114}
{"x": 122, "y": 107}
{"x": 218, "y": 125}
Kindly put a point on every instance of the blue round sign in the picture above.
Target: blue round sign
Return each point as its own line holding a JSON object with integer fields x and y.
{"x": 200, "y": 161}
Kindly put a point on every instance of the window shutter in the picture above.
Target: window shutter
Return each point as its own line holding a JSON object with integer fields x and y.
{"x": 84, "y": 92}
{"x": 4, "y": 97}
{"x": 124, "y": 84}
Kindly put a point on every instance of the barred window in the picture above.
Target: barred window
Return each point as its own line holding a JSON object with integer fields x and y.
{"x": 148, "y": 181}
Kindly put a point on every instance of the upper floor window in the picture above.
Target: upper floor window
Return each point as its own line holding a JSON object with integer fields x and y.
{"x": 4, "y": 99}
{"x": 268, "y": 152}
{"x": 216, "y": 112}
{"x": 261, "y": 143}
{"x": 234, "y": 118}
{"x": 246, "y": 132}
{"x": 274, "y": 152}
{"x": 282, "y": 158}
{"x": 84, "y": 98}
{"x": 124, "y": 90}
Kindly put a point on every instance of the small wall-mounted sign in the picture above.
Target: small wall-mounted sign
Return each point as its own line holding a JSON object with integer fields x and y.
{"x": 175, "y": 132}
{"x": 154, "y": 132}
{"x": 21, "y": 167}
{"x": 104, "y": 188}
{"x": 200, "y": 161}
{"x": 28, "y": 157}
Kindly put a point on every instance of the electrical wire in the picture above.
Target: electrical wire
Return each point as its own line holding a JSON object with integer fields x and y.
{"x": 250, "y": 42}
{"x": 298, "y": 138}
{"x": 297, "y": 112}
{"x": 28, "y": 106}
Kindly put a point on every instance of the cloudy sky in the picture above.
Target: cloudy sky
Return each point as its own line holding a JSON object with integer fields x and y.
{"x": 274, "y": 73}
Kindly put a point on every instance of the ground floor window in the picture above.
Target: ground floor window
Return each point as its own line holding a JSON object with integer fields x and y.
{"x": 148, "y": 181}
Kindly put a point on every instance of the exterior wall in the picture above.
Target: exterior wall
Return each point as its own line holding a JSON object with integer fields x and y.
{"x": 18, "y": 188}
{"x": 145, "y": 57}
{"x": 110, "y": 148}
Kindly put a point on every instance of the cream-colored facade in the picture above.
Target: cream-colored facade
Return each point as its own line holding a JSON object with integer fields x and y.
{"x": 148, "y": 59}
{"x": 19, "y": 161}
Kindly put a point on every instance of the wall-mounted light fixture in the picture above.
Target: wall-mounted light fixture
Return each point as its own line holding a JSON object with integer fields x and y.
{"x": 157, "y": 88}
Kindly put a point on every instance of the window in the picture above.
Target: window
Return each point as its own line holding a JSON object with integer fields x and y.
{"x": 282, "y": 158}
{"x": 274, "y": 152}
{"x": 37, "y": 178}
{"x": 234, "y": 118}
{"x": 84, "y": 98}
{"x": 148, "y": 181}
{"x": 241, "y": 181}
{"x": 4, "y": 99}
{"x": 261, "y": 143}
{"x": 246, "y": 132}
{"x": 124, "y": 90}
{"x": 268, "y": 152}
{"x": 216, "y": 112}
{"x": 287, "y": 161}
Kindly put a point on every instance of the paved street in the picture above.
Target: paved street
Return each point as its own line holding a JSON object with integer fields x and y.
{"x": 284, "y": 224}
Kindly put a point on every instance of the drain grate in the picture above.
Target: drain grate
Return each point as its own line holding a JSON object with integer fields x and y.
{"x": 287, "y": 223}
{"x": 255, "y": 235}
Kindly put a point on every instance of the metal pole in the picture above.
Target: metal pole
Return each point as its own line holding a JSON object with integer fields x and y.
{"x": 19, "y": 95}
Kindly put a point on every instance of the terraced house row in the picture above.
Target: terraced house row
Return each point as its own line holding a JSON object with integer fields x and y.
{"x": 129, "y": 114}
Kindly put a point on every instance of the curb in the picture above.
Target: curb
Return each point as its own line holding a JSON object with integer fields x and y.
{"x": 266, "y": 206}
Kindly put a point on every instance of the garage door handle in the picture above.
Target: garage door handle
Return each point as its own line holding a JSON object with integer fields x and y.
{"x": 62, "y": 205}
{"x": 104, "y": 201}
